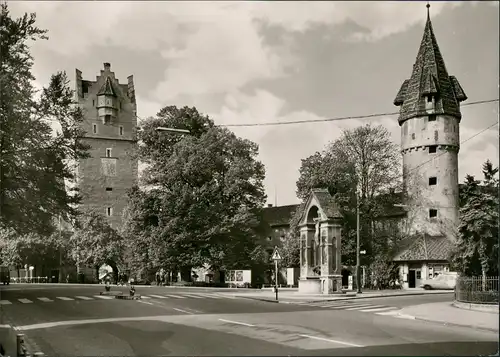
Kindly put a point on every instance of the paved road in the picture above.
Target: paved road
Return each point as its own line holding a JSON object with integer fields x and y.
{"x": 77, "y": 321}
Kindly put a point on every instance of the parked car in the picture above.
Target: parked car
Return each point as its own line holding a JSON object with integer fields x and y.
{"x": 444, "y": 281}
{"x": 4, "y": 275}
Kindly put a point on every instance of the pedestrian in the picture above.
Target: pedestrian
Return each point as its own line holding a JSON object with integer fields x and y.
{"x": 158, "y": 278}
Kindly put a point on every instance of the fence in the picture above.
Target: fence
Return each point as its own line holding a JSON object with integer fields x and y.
{"x": 477, "y": 290}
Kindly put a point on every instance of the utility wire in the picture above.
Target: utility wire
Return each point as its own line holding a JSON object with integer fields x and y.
{"x": 341, "y": 118}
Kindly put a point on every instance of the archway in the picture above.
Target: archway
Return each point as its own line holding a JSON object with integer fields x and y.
{"x": 346, "y": 272}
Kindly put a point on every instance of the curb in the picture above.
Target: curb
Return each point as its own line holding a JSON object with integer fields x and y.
{"x": 454, "y": 324}
{"x": 127, "y": 297}
{"x": 488, "y": 308}
{"x": 359, "y": 297}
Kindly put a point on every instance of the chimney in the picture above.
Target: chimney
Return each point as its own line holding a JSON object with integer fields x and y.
{"x": 107, "y": 66}
{"x": 269, "y": 205}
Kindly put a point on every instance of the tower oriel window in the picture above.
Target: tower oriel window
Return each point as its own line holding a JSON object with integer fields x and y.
{"x": 432, "y": 117}
{"x": 433, "y": 213}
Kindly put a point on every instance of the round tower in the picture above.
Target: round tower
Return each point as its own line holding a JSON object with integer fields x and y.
{"x": 430, "y": 139}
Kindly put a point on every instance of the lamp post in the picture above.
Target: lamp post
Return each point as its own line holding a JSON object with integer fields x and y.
{"x": 358, "y": 262}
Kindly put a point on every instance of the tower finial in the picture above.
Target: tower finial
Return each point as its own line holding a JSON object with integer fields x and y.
{"x": 428, "y": 6}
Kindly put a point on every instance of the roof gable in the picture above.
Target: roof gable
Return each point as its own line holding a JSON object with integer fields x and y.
{"x": 425, "y": 247}
{"x": 107, "y": 88}
{"x": 320, "y": 198}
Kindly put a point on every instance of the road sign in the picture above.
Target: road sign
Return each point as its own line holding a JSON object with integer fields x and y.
{"x": 362, "y": 252}
{"x": 276, "y": 254}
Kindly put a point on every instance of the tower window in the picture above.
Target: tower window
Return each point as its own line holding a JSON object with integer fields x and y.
{"x": 433, "y": 213}
{"x": 432, "y": 117}
{"x": 93, "y": 102}
{"x": 109, "y": 211}
{"x": 108, "y": 152}
{"x": 413, "y": 136}
{"x": 433, "y": 181}
{"x": 95, "y": 128}
{"x": 429, "y": 99}
{"x": 121, "y": 130}
{"x": 107, "y": 119}
{"x": 109, "y": 189}
{"x": 432, "y": 149}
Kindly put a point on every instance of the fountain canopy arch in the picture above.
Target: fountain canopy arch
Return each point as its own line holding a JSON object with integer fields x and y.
{"x": 320, "y": 244}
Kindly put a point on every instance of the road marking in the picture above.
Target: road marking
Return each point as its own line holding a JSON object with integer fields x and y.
{"x": 175, "y": 296}
{"x": 5, "y": 326}
{"x": 159, "y": 296}
{"x": 44, "y": 299}
{"x": 380, "y": 309}
{"x": 403, "y": 316}
{"x": 333, "y": 341}
{"x": 64, "y": 298}
{"x": 25, "y": 301}
{"x": 193, "y": 296}
{"x": 84, "y": 298}
{"x": 210, "y": 296}
{"x": 236, "y": 322}
{"x": 387, "y": 313}
{"x": 145, "y": 302}
{"x": 145, "y": 297}
{"x": 180, "y": 310}
{"x": 5, "y": 302}
{"x": 104, "y": 297}
{"x": 346, "y": 306}
{"x": 362, "y": 307}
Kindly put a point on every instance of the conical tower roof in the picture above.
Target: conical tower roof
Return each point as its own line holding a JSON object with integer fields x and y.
{"x": 429, "y": 77}
{"x": 107, "y": 88}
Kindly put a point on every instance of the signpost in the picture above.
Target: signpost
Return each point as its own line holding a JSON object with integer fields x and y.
{"x": 276, "y": 257}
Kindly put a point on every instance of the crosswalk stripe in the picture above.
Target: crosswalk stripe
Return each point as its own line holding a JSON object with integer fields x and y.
{"x": 175, "y": 296}
{"x": 84, "y": 298}
{"x": 361, "y": 307}
{"x": 212, "y": 296}
{"x": 379, "y": 309}
{"x": 25, "y": 301}
{"x": 159, "y": 296}
{"x": 5, "y": 302}
{"x": 346, "y": 306}
{"x": 44, "y": 299}
{"x": 64, "y": 298}
{"x": 145, "y": 297}
{"x": 193, "y": 296}
{"x": 104, "y": 297}
{"x": 387, "y": 313}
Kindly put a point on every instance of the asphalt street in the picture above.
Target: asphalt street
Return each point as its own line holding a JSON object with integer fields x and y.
{"x": 76, "y": 320}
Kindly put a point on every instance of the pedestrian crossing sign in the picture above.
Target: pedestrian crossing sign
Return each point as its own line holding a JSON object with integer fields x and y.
{"x": 276, "y": 254}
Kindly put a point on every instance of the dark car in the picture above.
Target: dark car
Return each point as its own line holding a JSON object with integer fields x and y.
{"x": 4, "y": 275}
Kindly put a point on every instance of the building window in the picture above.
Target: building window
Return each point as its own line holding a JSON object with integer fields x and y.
{"x": 436, "y": 135}
{"x": 107, "y": 119}
{"x": 413, "y": 136}
{"x": 432, "y": 149}
{"x": 109, "y": 211}
{"x": 432, "y": 117}
{"x": 433, "y": 213}
{"x": 108, "y": 152}
{"x": 109, "y": 189}
{"x": 419, "y": 274}
{"x": 121, "y": 130}
{"x": 429, "y": 99}
{"x": 95, "y": 128}
{"x": 433, "y": 181}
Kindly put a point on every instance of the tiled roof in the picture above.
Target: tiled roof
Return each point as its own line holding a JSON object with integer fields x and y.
{"x": 327, "y": 203}
{"x": 279, "y": 215}
{"x": 429, "y": 76}
{"x": 425, "y": 247}
{"x": 107, "y": 88}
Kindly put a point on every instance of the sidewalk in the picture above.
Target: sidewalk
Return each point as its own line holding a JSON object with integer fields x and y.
{"x": 446, "y": 313}
{"x": 294, "y": 296}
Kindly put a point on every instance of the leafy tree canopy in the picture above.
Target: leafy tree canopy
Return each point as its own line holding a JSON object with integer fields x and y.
{"x": 476, "y": 251}
{"x": 35, "y": 162}
{"x": 363, "y": 159}
{"x": 205, "y": 206}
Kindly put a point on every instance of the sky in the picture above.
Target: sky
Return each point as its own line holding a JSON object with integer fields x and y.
{"x": 272, "y": 62}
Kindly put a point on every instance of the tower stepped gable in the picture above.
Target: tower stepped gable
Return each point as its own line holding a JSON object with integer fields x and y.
{"x": 429, "y": 83}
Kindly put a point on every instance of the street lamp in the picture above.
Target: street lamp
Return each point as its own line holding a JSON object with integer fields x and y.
{"x": 358, "y": 260}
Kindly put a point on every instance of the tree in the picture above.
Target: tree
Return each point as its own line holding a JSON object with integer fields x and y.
{"x": 95, "y": 243}
{"x": 34, "y": 162}
{"x": 363, "y": 159}
{"x": 476, "y": 250}
{"x": 207, "y": 196}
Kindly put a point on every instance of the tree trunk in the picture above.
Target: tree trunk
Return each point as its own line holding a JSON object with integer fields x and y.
{"x": 97, "y": 273}
{"x": 484, "y": 279}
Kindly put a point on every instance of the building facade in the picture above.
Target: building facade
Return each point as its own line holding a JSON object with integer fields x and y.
{"x": 110, "y": 123}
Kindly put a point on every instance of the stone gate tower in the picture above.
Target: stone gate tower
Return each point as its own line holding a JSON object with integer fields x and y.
{"x": 430, "y": 119}
{"x": 110, "y": 123}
